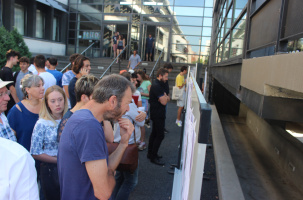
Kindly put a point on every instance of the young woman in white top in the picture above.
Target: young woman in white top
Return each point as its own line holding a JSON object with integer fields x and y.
{"x": 44, "y": 144}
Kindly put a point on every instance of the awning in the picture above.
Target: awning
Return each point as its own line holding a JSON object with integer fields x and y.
{"x": 44, "y": 2}
{"x": 53, "y": 4}
{"x": 56, "y": 5}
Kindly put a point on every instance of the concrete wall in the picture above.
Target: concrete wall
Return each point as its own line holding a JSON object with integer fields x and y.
{"x": 228, "y": 76}
{"x": 284, "y": 148}
{"x": 278, "y": 75}
{"x": 45, "y": 47}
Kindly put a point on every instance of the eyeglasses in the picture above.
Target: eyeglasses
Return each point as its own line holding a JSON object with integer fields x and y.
{"x": 4, "y": 93}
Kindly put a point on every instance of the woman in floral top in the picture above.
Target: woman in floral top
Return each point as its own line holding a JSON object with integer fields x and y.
{"x": 44, "y": 145}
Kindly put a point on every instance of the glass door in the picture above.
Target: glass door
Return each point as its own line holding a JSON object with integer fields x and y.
{"x": 154, "y": 39}
{"x": 108, "y": 33}
{"x": 161, "y": 42}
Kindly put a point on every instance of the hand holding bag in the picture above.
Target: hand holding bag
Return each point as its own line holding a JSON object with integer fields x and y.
{"x": 129, "y": 161}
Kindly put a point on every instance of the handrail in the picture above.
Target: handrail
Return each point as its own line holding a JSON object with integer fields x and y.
{"x": 152, "y": 72}
{"x": 80, "y": 54}
{"x": 113, "y": 62}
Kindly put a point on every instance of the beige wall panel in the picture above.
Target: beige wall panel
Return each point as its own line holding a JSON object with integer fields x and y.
{"x": 283, "y": 71}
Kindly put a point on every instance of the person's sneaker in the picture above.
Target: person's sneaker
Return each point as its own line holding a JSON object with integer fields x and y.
{"x": 179, "y": 123}
{"x": 157, "y": 161}
{"x": 142, "y": 146}
{"x": 147, "y": 124}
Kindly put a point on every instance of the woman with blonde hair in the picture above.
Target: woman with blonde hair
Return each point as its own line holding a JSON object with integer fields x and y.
{"x": 44, "y": 144}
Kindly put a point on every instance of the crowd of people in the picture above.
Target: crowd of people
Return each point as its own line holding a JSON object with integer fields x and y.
{"x": 64, "y": 122}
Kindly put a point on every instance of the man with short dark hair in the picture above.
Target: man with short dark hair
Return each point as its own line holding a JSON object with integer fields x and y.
{"x": 32, "y": 67}
{"x": 134, "y": 61}
{"x": 150, "y": 43}
{"x": 80, "y": 67}
{"x": 48, "y": 78}
{"x": 6, "y": 74}
{"x": 53, "y": 62}
{"x": 85, "y": 169}
{"x": 158, "y": 100}
{"x": 18, "y": 76}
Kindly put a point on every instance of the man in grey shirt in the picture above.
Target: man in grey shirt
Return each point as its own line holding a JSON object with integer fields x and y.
{"x": 18, "y": 76}
{"x": 134, "y": 60}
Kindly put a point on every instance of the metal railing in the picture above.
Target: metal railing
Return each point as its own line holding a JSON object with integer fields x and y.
{"x": 110, "y": 66}
{"x": 158, "y": 61}
{"x": 81, "y": 54}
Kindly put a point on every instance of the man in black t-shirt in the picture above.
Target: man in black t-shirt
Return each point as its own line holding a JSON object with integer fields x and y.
{"x": 158, "y": 100}
{"x": 6, "y": 74}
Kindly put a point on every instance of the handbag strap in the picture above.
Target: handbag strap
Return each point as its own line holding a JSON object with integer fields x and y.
{"x": 135, "y": 133}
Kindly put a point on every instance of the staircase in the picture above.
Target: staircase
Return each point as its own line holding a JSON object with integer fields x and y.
{"x": 99, "y": 65}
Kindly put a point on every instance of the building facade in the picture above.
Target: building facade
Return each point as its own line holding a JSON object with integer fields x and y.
{"x": 182, "y": 30}
{"x": 256, "y": 68}
{"x": 256, "y": 47}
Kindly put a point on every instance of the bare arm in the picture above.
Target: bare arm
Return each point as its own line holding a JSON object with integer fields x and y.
{"x": 45, "y": 158}
{"x": 128, "y": 64}
{"x": 146, "y": 94}
{"x": 65, "y": 87}
{"x": 164, "y": 99}
{"x": 101, "y": 174}
{"x": 108, "y": 131}
{"x": 102, "y": 178}
{"x": 14, "y": 93}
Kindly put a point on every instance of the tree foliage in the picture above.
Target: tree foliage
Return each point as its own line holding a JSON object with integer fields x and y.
{"x": 12, "y": 40}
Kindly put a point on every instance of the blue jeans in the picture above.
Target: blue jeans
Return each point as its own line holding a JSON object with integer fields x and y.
{"x": 145, "y": 105}
{"x": 125, "y": 183}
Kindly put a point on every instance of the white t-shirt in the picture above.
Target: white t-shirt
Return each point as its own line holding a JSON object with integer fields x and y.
{"x": 18, "y": 177}
{"x": 49, "y": 80}
{"x": 32, "y": 69}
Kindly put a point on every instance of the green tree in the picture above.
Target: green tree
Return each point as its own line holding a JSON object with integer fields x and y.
{"x": 12, "y": 40}
{"x": 19, "y": 45}
{"x": 6, "y": 43}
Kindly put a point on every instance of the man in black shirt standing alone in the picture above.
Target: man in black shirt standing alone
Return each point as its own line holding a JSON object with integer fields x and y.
{"x": 158, "y": 100}
{"x": 6, "y": 74}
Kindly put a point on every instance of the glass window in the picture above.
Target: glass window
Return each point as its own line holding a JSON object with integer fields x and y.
{"x": 206, "y": 31}
{"x": 90, "y": 25}
{"x": 189, "y": 11}
{"x": 40, "y": 24}
{"x": 239, "y": 5}
{"x": 88, "y": 17}
{"x": 189, "y": 2}
{"x": 228, "y": 20}
{"x": 295, "y": 45}
{"x": 208, "y": 12}
{"x": 226, "y": 48}
{"x": 88, "y": 8}
{"x": 154, "y": 9}
{"x": 192, "y": 21}
{"x": 207, "y": 21}
{"x": 56, "y": 29}
{"x": 206, "y": 41}
{"x": 155, "y": 2}
{"x": 237, "y": 40}
{"x": 189, "y": 30}
{"x": 19, "y": 18}
{"x": 209, "y": 3}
